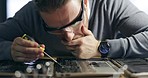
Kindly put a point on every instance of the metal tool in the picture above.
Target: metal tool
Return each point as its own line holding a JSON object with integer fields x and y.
{"x": 53, "y": 59}
{"x": 27, "y": 37}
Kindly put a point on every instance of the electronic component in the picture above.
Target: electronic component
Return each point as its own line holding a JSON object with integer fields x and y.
{"x": 39, "y": 68}
{"x": 85, "y": 68}
{"x": 136, "y": 67}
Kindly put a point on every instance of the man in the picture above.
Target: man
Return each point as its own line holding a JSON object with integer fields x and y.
{"x": 80, "y": 28}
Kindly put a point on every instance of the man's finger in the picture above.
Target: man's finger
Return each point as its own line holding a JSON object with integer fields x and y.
{"x": 85, "y": 31}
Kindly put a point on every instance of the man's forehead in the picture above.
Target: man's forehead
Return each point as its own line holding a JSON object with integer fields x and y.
{"x": 63, "y": 15}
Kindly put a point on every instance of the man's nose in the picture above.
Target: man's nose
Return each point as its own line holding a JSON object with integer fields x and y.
{"x": 68, "y": 34}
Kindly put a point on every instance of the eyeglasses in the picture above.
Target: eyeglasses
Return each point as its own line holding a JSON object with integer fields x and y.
{"x": 77, "y": 19}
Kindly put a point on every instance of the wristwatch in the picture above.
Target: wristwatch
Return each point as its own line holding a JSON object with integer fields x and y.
{"x": 104, "y": 49}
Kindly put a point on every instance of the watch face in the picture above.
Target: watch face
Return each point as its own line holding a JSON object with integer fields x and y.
{"x": 104, "y": 47}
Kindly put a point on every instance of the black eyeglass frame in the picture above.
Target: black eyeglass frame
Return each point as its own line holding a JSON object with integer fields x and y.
{"x": 78, "y": 18}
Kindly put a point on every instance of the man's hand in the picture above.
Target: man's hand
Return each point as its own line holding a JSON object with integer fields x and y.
{"x": 24, "y": 50}
{"x": 84, "y": 47}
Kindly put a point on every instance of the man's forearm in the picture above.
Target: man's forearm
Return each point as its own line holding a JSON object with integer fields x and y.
{"x": 5, "y": 50}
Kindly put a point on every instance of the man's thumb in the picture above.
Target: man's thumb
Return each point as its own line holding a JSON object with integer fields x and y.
{"x": 85, "y": 31}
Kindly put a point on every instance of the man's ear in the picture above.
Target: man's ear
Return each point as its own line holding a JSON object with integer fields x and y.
{"x": 86, "y": 2}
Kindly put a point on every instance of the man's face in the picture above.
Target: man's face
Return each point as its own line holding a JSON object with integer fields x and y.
{"x": 67, "y": 21}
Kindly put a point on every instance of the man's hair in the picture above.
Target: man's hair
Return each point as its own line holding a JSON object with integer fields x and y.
{"x": 49, "y": 5}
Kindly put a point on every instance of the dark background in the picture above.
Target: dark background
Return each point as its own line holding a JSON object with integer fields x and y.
{"x": 3, "y": 10}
